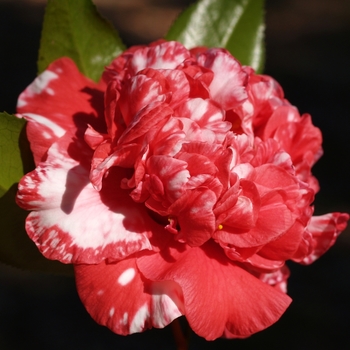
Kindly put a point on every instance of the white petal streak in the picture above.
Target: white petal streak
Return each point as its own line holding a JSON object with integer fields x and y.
{"x": 38, "y": 86}
{"x": 21, "y": 102}
{"x": 41, "y": 83}
{"x": 167, "y": 303}
{"x": 127, "y": 276}
{"x": 111, "y": 311}
{"x": 124, "y": 320}
{"x": 55, "y": 128}
{"x": 139, "y": 320}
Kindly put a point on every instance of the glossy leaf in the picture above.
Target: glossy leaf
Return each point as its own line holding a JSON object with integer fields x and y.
{"x": 237, "y": 25}
{"x": 10, "y": 154}
{"x": 76, "y": 30}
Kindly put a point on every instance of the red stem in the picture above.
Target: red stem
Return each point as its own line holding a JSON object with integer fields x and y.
{"x": 180, "y": 339}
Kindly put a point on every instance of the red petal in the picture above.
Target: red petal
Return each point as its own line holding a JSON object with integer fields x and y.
{"x": 60, "y": 99}
{"x": 269, "y": 176}
{"x": 281, "y": 116}
{"x": 240, "y": 213}
{"x": 217, "y": 293}
{"x": 284, "y": 246}
{"x": 117, "y": 296}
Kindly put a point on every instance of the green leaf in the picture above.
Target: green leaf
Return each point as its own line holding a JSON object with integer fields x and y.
{"x": 76, "y": 30}
{"x": 237, "y": 25}
{"x": 10, "y": 153}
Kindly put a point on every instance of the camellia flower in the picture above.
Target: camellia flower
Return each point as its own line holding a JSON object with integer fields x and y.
{"x": 178, "y": 185}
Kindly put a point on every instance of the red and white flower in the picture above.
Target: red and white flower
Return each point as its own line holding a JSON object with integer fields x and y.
{"x": 178, "y": 185}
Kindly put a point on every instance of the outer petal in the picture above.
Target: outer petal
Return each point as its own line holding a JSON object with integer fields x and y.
{"x": 324, "y": 230}
{"x": 217, "y": 293}
{"x": 117, "y": 296}
{"x": 278, "y": 278}
{"x": 59, "y": 99}
{"x": 74, "y": 223}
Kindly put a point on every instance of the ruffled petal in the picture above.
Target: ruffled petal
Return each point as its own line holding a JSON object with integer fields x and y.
{"x": 208, "y": 116}
{"x": 217, "y": 293}
{"x": 144, "y": 120}
{"x": 74, "y": 223}
{"x": 194, "y": 212}
{"x": 117, "y": 296}
{"x": 228, "y": 85}
{"x": 159, "y": 55}
{"x": 284, "y": 246}
{"x": 136, "y": 94}
{"x": 173, "y": 175}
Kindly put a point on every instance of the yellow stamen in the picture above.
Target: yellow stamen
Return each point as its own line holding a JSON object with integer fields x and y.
{"x": 220, "y": 227}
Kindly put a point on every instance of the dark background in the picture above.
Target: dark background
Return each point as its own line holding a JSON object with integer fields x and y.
{"x": 308, "y": 51}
